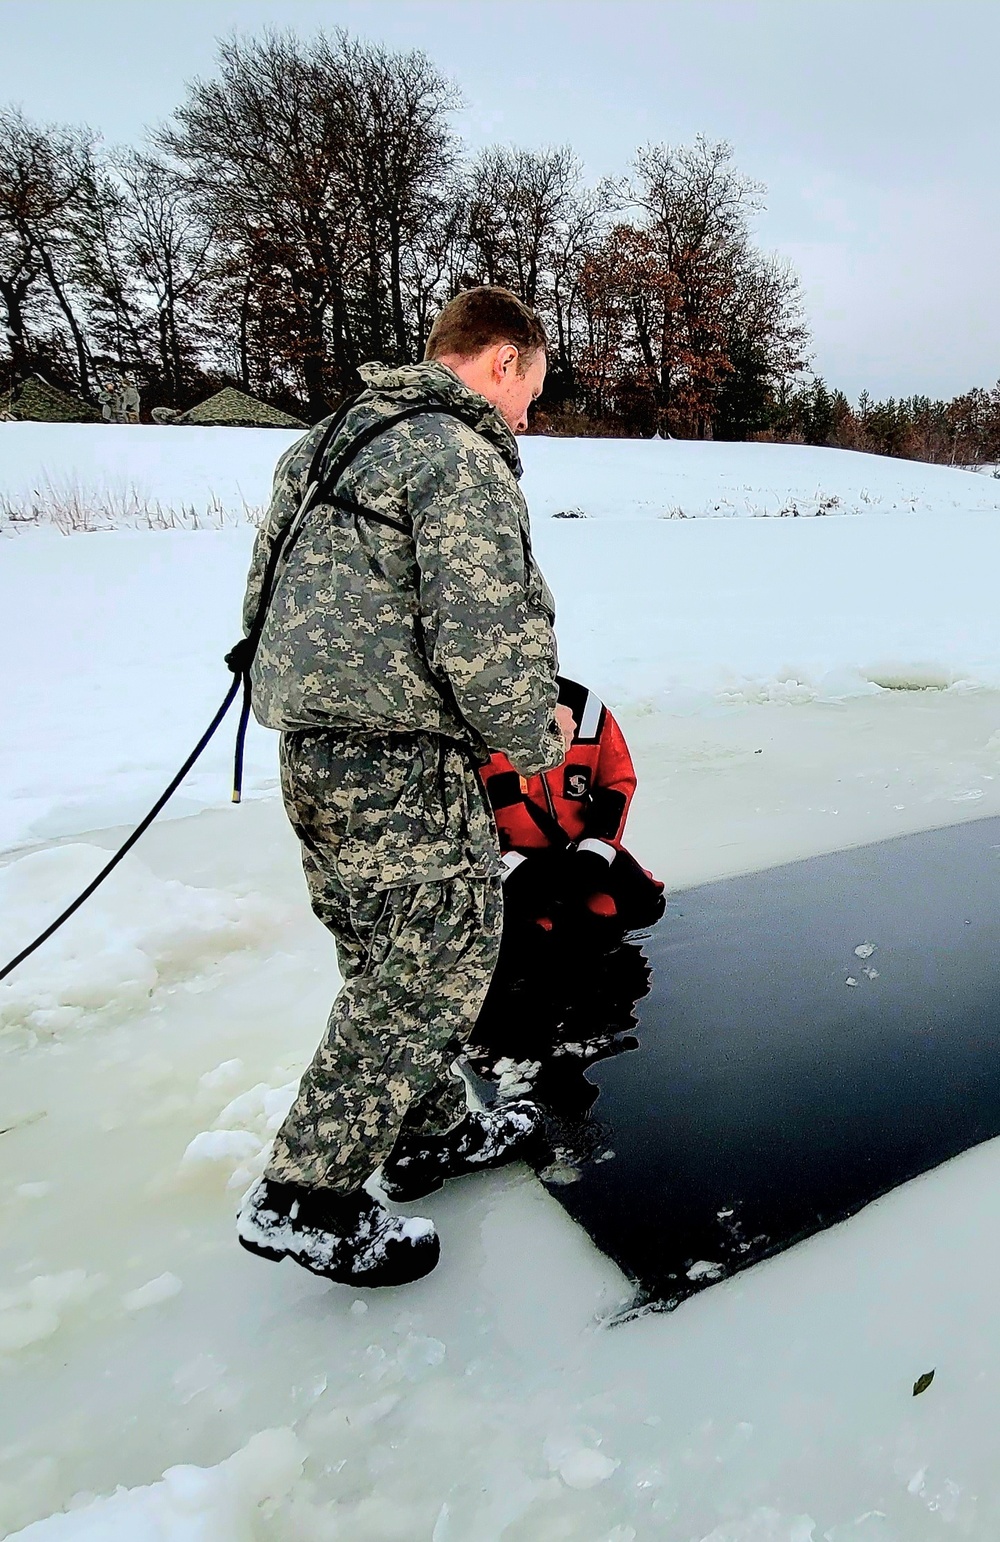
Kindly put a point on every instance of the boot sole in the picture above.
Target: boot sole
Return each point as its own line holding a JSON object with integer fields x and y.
{"x": 254, "y": 1247}
{"x": 404, "y": 1196}
{"x": 370, "y": 1281}
{"x": 407, "y": 1196}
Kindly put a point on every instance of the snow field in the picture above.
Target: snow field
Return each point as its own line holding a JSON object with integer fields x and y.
{"x": 150, "y": 475}
{"x": 123, "y": 635}
{"x": 158, "y": 1383}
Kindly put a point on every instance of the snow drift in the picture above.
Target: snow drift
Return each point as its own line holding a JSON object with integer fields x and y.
{"x": 135, "y": 936}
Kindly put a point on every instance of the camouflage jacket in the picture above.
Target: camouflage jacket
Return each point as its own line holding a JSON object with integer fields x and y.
{"x": 446, "y": 628}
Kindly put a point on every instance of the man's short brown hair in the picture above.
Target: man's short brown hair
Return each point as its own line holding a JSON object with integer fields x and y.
{"x": 479, "y": 318}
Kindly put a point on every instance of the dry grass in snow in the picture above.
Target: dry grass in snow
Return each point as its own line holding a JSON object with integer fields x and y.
{"x": 75, "y": 508}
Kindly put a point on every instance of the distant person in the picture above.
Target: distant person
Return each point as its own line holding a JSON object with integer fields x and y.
{"x": 109, "y": 401}
{"x": 129, "y": 399}
{"x": 407, "y": 636}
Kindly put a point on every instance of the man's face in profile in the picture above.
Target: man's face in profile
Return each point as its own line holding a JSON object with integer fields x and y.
{"x": 516, "y": 392}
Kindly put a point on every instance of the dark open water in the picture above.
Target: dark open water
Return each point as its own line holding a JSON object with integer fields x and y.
{"x": 767, "y": 1098}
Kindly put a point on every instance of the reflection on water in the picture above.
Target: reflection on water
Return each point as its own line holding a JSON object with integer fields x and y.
{"x": 800, "y": 1041}
{"x": 560, "y": 1002}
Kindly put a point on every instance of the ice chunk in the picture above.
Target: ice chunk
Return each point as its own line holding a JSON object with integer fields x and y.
{"x": 152, "y": 1293}
{"x": 419, "y": 1353}
{"x": 560, "y": 1173}
{"x": 516, "y": 1076}
{"x": 223, "y": 1075}
{"x": 221, "y": 1146}
{"x": 136, "y": 933}
{"x": 35, "y": 1311}
{"x": 189, "y": 1504}
{"x": 704, "y": 1269}
{"x": 577, "y": 1463}
{"x": 24, "y": 1324}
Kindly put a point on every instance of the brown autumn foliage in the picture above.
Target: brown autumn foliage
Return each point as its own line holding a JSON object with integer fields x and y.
{"x": 310, "y": 206}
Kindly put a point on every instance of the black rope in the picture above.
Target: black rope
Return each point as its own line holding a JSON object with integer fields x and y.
{"x": 139, "y": 830}
{"x": 239, "y": 659}
{"x": 241, "y": 733}
{"x": 319, "y": 485}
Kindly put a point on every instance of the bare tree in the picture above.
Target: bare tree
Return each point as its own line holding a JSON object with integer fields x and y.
{"x": 573, "y": 243}
{"x": 168, "y": 247}
{"x": 436, "y": 264}
{"x": 43, "y": 172}
{"x": 532, "y": 224}
{"x": 101, "y": 267}
{"x": 20, "y": 270}
{"x": 697, "y": 209}
{"x": 317, "y": 166}
{"x": 402, "y": 153}
{"x": 522, "y": 203}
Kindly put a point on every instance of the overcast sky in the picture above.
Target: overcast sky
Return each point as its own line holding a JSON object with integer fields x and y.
{"x": 873, "y": 123}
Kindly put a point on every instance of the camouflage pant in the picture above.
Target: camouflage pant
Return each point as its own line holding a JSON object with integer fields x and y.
{"x": 399, "y": 854}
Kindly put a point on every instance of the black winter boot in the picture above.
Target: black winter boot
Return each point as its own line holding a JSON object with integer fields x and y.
{"x": 420, "y": 1164}
{"x": 349, "y": 1238}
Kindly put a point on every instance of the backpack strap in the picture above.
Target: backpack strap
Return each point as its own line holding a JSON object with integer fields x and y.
{"x": 321, "y": 485}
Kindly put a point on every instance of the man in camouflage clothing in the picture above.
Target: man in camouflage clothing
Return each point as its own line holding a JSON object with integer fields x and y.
{"x": 109, "y": 400}
{"x": 407, "y": 635}
{"x": 129, "y": 399}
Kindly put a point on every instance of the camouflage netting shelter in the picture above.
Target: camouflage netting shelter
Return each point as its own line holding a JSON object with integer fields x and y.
{"x": 230, "y": 408}
{"x": 35, "y": 401}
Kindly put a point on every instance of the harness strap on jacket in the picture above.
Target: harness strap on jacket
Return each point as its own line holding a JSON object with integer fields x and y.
{"x": 321, "y": 485}
{"x": 547, "y": 823}
{"x": 240, "y": 657}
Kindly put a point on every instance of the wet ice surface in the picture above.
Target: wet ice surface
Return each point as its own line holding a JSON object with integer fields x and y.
{"x": 489, "y": 1401}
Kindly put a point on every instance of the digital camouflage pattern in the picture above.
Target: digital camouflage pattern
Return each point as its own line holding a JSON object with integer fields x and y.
{"x": 230, "y": 408}
{"x": 400, "y": 860}
{"x": 394, "y": 662}
{"x": 447, "y": 629}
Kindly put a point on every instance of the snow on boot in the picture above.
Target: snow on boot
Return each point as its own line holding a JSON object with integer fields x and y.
{"x": 420, "y": 1164}
{"x": 349, "y": 1238}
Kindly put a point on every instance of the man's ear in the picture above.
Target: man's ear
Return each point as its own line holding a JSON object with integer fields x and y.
{"x": 503, "y": 359}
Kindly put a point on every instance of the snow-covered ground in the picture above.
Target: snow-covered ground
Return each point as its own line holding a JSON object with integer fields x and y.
{"x": 788, "y": 686}
{"x": 211, "y": 475}
{"x": 124, "y": 631}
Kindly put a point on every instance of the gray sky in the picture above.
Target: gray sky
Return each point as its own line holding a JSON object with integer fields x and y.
{"x": 874, "y": 124}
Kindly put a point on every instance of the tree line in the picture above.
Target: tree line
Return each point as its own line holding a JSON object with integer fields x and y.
{"x": 964, "y": 431}
{"x": 311, "y": 206}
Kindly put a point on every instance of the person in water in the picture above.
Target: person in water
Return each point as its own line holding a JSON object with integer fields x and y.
{"x": 561, "y": 837}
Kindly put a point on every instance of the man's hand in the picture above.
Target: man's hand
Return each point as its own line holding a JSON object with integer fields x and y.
{"x": 566, "y": 724}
